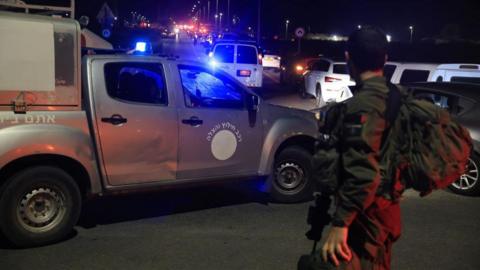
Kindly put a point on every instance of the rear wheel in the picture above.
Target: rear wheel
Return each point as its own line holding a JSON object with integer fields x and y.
{"x": 469, "y": 183}
{"x": 40, "y": 205}
{"x": 291, "y": 179}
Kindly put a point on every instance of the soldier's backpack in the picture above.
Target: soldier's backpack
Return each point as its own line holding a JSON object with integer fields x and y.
{"x": 424, "y": 148}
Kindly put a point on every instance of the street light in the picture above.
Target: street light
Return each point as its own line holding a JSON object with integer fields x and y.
{"x": 221, "y": 15}
{"x": 389, "y": 38}
{"x": 287, "y": 22}
{"x": 216, "y": 22}
{"x": 359, "y": 26}
{"x": 411, "y": 33}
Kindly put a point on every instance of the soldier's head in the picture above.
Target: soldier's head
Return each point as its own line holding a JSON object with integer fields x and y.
{"x": 366, "y": 50}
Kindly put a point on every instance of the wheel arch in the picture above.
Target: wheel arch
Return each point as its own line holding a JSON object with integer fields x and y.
{"x": 69, "y": 165}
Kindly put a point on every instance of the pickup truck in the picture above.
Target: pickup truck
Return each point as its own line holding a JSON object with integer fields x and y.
{"x": 114, "y": 123}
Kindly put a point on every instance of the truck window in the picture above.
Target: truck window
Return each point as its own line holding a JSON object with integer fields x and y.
{"x": 465, "y": 79}
{"x": 247, "y": 55}
{"x": 411, "y": 75}
{"x": 204, "y": 89}
{"x": 136, "y": 82}
{"x": 388, "y": 71}
{"x": 224, "y": 53}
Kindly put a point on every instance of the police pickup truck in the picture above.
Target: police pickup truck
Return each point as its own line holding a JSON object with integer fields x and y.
{"x": 72, "y": 128}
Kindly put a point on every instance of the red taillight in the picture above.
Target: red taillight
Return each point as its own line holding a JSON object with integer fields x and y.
{"x": 260, "y": 59}
{"x": 244, "y": 73}
{"x": 332, "y": 79}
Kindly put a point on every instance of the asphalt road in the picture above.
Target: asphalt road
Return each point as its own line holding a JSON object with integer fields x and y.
{"x": 232, "y": 226}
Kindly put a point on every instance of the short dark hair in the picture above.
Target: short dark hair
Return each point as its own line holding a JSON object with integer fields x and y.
{"x": 367, "y": 48}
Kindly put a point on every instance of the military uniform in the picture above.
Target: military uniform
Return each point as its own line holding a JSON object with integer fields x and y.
{"x": 374, "y": 221}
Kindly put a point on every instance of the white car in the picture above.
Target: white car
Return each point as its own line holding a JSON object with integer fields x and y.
{"x": 239, "y": 59}
{"x": 464, "y": 73}
{"x": 405, "y": 73}
{"x": 327, "y": 81}
{"x": 271, "y": 61}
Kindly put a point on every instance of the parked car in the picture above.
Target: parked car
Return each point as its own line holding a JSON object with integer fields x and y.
{"x": 327, "y": 81}
{"x": 293, "y": 68}
{"x": 239, "y": 59}
{"x": 468, "y": 73}
{"x": 271, "y": 60}
{"x": 109, "y": 124}
{"x": 463, "y": 102}
{"x": 405, "y": 73}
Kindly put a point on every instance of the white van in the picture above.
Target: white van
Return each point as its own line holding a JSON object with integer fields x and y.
{"x": 240, "y": 60}
{"x": 466, "y": 73}
{"x": 404, "y": 73}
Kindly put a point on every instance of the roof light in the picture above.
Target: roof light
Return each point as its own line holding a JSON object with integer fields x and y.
{"x": 141, "y": 46}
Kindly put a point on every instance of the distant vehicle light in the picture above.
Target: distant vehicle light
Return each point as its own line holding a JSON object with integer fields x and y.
{"x": 141, "y": 47}
{"x": 244, "y": 73}
{"x": 177, "y": 31}
{"x": 299, "y": 68}
{"x": 332, "y": 79}
{"x": 210, "y": 54}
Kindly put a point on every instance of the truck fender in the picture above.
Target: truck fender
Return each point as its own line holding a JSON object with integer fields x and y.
{"x": 281, "y": 131}
{"x": 30, "y": 140}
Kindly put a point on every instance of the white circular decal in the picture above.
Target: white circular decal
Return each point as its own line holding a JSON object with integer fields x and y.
{"x": 224, "y": 145}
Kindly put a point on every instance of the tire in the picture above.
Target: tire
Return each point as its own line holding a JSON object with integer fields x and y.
{"x": 291, "y": 177}
{"x": 469, "y": 183}
{"x": 39, "y": 206}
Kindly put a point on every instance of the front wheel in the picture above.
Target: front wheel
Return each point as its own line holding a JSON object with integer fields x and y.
{"x": 291, "y": 179}
{"x": 469, "y": 183}
{"x": 39, "y": 206}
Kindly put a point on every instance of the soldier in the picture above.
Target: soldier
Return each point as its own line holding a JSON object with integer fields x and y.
{"x": 364, "y": 224}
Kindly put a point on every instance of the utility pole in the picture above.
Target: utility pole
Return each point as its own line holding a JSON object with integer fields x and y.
{"x": 259, "y": 21}
{"x": 216, "y": 9}
{"x": 208, "y": 11}
{"x": 228, "y": 14}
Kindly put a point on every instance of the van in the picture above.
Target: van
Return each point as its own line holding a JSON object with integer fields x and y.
{"x": 465, "y": 73}
{"x": 239, "y": 59}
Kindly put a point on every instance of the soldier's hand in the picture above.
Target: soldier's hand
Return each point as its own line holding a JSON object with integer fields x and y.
{"x": 336, "y": 244}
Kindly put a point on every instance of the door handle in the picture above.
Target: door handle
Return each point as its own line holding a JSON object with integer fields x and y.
{"x": 193, "y": 121}
{"x": 115, "y": 120}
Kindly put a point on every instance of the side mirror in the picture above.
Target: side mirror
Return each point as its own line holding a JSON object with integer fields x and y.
{"x": 253, "y": 103}
{"x": 84, "y": 21}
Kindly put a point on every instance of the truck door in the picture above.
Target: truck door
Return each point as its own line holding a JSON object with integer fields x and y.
{"x": 248, "y": 70}
{"x": 137, "y": 132}
{"x": 219, "y": 136}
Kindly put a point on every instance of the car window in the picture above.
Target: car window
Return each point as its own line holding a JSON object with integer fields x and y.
{"x": 466, "y": 79}
{"x": 340, "y": 69}
{"x": 203, "y": 88}
{"x": 388, "y": 71}
{"x": 411, "y": 75}
{"x": 247, "y": 55}
{"x": 444, "y": 101}
{"x": 136, "y": 82}
{"x": 224, "y": 53}
{"x": 321, "y": 65}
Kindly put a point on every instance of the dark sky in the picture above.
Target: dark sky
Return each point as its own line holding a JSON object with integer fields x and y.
{"x": 339, "y": 16}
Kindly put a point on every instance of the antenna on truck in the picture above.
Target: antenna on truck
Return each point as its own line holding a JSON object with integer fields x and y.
{"x": 39, "y": 9}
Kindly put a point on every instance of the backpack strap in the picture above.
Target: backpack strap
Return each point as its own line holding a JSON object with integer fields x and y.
{"x": 393, "y": 104}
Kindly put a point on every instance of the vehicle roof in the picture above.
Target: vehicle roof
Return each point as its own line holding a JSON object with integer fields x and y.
{"x": 420, "y": 66}
{"x": 461, "y": 67}
{"x": 235, "y": 42}
{"x": 469, "y": 90}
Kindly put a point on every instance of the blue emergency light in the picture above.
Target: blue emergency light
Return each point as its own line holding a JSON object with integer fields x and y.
{"x": 141, "y": 46}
